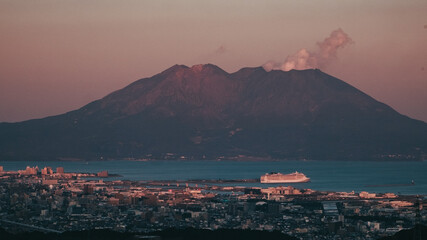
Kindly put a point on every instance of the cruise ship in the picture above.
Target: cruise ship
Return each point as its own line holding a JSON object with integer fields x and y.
{"x": 273, "y": 177}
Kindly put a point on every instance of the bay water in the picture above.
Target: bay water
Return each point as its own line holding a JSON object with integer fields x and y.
{"x": 378, "y": 177}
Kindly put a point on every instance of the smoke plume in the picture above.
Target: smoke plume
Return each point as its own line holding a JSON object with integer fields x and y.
{"x": 305, "y": 59}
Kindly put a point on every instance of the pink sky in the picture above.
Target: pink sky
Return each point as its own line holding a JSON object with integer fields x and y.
{"x": 56, "y": 56}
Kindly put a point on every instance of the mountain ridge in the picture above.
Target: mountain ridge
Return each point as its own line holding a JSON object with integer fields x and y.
{"x": 204, "y": 111}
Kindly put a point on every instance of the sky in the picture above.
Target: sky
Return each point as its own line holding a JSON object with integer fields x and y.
{"x": 57, "y": 56}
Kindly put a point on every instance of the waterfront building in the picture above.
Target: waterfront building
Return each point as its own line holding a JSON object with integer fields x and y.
{"x": 103, "y": 174}
{"x": 60, "y": 170}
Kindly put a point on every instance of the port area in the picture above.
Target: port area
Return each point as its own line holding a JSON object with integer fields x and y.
{"x": 47, "y": 173}
{"x": 198, "y": 181}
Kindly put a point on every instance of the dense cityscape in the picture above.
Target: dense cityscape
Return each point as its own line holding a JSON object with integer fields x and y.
{"x": 57, "y": 201}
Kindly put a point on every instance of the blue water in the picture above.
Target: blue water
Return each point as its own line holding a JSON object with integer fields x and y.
{"x": 325, "y": 175}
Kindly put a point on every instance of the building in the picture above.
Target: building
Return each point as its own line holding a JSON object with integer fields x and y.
{"x": 88, "y": 189}
{"x": 367, "y": 195}
{"x": 29, "y": 171}
{"x": 60, "y": 170}
{"x": 47, "y": 171}
{"x": 103, "y": 174}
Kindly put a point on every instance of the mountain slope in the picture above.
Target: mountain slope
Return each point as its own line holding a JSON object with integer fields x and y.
{"x": 204, "y": 111}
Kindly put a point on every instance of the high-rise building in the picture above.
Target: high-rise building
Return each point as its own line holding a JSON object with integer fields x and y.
{"x": 30, "y": 170}
{"x": 47, "y": 171}
{"x": 60, "y": 170}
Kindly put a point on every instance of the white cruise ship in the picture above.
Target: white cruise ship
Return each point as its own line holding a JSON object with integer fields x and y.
{"x": 295, "y": 177}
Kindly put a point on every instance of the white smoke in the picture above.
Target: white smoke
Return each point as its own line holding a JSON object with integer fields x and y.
{"x": 304, "y": 59}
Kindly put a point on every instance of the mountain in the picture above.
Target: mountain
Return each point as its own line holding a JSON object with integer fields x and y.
{"x": 204, "y": 112}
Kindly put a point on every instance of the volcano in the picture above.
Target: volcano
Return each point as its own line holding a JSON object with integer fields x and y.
{"x": 203, "y": 112}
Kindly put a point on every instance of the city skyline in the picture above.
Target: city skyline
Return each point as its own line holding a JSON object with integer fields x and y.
{"x": 62, "y": 201}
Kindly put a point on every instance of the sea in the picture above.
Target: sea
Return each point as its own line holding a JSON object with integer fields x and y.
{"x": 403, "y": 178}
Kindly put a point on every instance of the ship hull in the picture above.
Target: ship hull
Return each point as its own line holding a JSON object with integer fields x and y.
{"x": 286, "y": 181}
